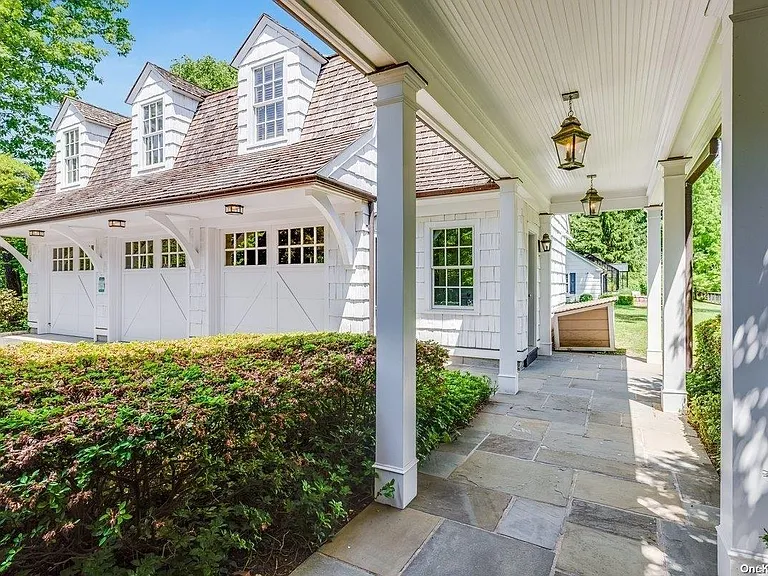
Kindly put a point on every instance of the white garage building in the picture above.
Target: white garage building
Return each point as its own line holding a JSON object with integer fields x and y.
{"x": 251, "y": 210}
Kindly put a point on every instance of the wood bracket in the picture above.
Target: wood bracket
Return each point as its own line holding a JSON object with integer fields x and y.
{"x": 67, "y": 232}
{"x": 193, "y": 254}
{"x": 322, "y": 202}
{"x": 25, "y": 262}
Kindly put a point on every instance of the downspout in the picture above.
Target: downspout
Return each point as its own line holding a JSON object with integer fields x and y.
{"x": 371, "y": 268}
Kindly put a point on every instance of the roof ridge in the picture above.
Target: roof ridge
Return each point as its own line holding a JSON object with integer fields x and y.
{"x": 174, "y": 76}
{"x": 79, "y": 101}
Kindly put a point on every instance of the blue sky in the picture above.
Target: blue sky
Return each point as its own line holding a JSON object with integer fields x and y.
{"x": 164, "y": 30}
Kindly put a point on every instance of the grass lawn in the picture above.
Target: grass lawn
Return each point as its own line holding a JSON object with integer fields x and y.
{"x": 632, "y": 325}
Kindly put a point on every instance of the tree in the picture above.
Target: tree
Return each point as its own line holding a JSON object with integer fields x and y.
{"x": 17, "y": 183}
{"x": 706, "y": 230}
{"x": 206, "y": 72}
{"x": 48, "y": 50}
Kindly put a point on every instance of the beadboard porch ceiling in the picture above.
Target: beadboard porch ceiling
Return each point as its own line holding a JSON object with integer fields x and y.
{"x": 647, "y": 71}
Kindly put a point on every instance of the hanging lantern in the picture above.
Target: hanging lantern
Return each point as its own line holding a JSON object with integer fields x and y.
{"x": 571, "y": 140}
{"x": 592, "y": 201}
{"x": 233, "y": 209}
{"x": 545, "y": 244}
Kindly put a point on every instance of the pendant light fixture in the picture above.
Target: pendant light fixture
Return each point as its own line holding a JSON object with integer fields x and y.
{"x": 571, "y": 139}
{"x": 592, "y": 201}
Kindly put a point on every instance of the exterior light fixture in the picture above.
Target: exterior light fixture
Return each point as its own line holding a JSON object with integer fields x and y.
{"x": 545, "y": 244}
{"x": 117, "y": 223}
{"x": 592, "y": 201}
{"x": 38, "y": 233}
{"x": 233, "y": 209}
{"x": 571, "y": 140}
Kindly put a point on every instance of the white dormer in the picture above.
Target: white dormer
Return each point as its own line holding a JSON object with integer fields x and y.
{"x": 276, "y": 76}
{"x": 162, "y": 107}
{"x": 82, "y": 131}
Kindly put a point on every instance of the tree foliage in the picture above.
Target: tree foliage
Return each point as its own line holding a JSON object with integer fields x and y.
{"x": 206, "y": 72}
{"x": 706, "y": 230}
{"x": 17, "y": 183}
{"x": 48, "y": 50}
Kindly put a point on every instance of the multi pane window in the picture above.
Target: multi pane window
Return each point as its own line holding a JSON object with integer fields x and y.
{"x": 453, "y": 272}
{"x": 72, "y": 156}
{"x": 152, "y": 132}
{"x": 64, "y": 259}
{"x": 301, "y": 245}
{"x": 268, "y": 101}
{"x": 245, "y": 249}
{"x": 84, "y": 263}
{"x": 171, "y": 254}
{"x": 139, "y": 255}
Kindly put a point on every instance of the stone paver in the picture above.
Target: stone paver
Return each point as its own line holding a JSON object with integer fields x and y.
{"x": 458, "y": 550}
{"x": 590, "y": 463}
{"x": 461, "y": 502}
{"x": 690, "y": 551}
{"x": 597, "y": 447}
{"x": 699, "y": 489}
{"x": 381, "y": 539}
{"x": 508, "y": 446}
{"x": 534, "y": 522}
{"x": 322, "y": 565}
{"x": 614, "y": 521}
{"x": 441, "y": 463}
{"x": 532, "y": 480}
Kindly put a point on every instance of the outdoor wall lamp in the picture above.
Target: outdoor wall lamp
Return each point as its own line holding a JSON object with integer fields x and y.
{"x": 592, "y": 201}
{"x": 116, "y": 223}
{"x": 545, "y": 244}
{"x": 233, "y": 208}
{"x": 571, "y": 140}
{"x": 38, "y": 233}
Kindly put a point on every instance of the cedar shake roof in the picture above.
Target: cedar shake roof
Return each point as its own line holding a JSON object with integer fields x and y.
{"x": 179, "y": 83}
{"x": 99, "y": 115}
{"x": 208, "y": 165}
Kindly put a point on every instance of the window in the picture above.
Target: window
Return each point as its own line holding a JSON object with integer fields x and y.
{"x": 139, "y": 255}
{"x": 171, "y": 254}
{"x": 572, "y": 283}
{"x": 453, "y": 272}
{"x": 245, "y": 249}
{"x": 72, "y": 156}
{"x": 152, "y": 130}
{"x": 64, "y": 259}
{"x": 268, "y": 101}
{"x": 85, "y": 263}
{"x": 301, "y": 245}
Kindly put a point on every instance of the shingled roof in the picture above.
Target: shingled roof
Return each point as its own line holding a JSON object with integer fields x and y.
{"x": 98, "y": 115}
{"x": 208, "y": 165}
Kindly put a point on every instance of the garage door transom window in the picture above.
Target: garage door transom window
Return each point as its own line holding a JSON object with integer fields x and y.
{"x": 171, "y": 254}
{"x": 139, "y": 255}
{"x": 64, "y": 259}
{"x": 245, "y": 248}
{"x": 453, "y": 267}
{"x": 84, "y": 263}
{"x": 301, "y": 245}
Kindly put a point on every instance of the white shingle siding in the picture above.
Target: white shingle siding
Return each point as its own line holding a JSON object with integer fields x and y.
{"x": 588, "y": 276}
{"x": 92, "y": 138}
{"x": 348, "y": 286}
{"x": 527, "y": 223}
{"x": 356, "y": 166}
{"x": 559, "y": 277}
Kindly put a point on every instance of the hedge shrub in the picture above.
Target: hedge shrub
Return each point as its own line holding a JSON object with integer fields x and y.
{"x": 704, "y": 416}
{"x": 625, "y": 300}
{"x": 13, "y": 312}
{"x": 586, "y": 298}
{"x": 196, "y": 457}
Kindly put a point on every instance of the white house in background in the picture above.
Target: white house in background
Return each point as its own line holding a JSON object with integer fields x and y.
{"x": 252, "y": 210}
{"x": 583, "y": 276}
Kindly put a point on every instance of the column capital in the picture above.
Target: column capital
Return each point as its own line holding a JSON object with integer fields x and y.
{"x": 398, "y": 75}
{"x": 508, "y": 184}
{"x": 654, "y": 210}
{"x": 673, "y": 166}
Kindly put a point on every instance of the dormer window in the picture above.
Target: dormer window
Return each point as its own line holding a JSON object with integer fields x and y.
{"x": 152, "y": 132}
{"x": 268, "y": 110}
{"x": 72, "y": 156}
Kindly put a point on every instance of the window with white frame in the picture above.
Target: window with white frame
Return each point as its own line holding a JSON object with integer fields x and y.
{"x": 171, "y": 254}
{"x": 572, "y": 283}
{"x": 64, "y": 259}
{"x": 139, "y": 255}
{"x": 152, "y": 132}
{"x": 304, "y": 245}
{"x": 268, "y": 106}
{"x": 453, "y": 267}
{"x": 245, "y": 248}
{"x": 84, "y": 263}
{"x": 72, "y": 156}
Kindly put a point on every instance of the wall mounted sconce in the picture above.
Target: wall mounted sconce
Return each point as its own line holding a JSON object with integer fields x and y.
{"x": 116, "y": 223}
{"x": 236, "y": 209}
{"x": 38, "y": 233}
{"x": 545, "y": 244}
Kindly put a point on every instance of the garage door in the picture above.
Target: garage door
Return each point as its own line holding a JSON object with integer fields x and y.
{"x": 274, "y": 280}
{"x": 72, "y": 293}
{"x": 155, "y": 290}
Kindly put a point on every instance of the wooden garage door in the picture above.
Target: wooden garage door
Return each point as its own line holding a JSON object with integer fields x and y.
{"x": 71, "y": 293}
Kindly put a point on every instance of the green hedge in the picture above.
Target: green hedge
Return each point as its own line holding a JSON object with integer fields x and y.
{"x": 13, "y": 312}
{"x": 704, "y": 416}
{"x": 196, "y": 457}
{"x": 586, "y": 298}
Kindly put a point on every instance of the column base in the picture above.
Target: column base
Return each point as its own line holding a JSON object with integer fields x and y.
{"x": 404, "y": 487}
{"x": 507, "y": 383}
{"x": 672, "y": 400}
{"x": 732, "y": 562}
{"x": 545, "y": 348}
{"x": 654, "y": 357}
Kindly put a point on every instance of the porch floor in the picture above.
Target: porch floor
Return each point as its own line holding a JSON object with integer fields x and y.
{"x": 580, "y": 473}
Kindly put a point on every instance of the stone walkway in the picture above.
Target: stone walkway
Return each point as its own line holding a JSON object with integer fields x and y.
{"x": 580, "y": 473}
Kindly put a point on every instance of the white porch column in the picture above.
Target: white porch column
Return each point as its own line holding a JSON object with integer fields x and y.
{"x": 744, "y": 448}
{"x": 396, "y": 330}
{"x": 673, "y": 311}
{"x": 545, "y": 282}
{"x": 113, "y": 287}
{"x": 507, "y": 379}
{"x": 654, "y": 285}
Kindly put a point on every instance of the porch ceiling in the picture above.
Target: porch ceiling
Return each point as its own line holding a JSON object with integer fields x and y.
{"x": 496, "y": 69}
